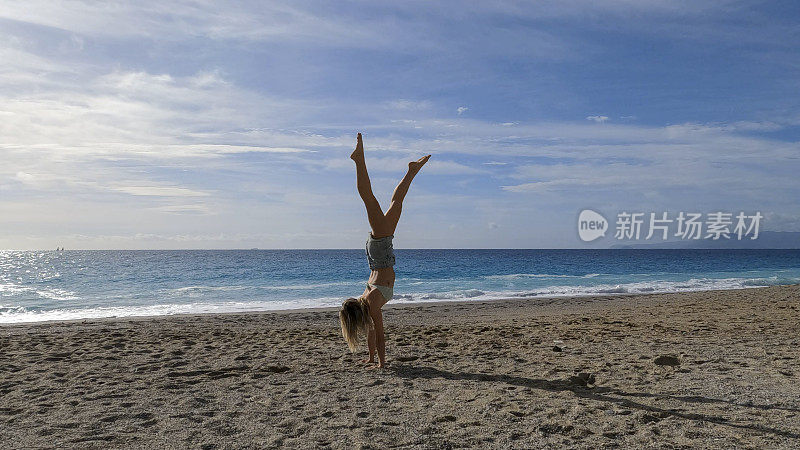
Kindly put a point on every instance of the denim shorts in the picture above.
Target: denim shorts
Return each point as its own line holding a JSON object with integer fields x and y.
{"x": 380, "y": 252}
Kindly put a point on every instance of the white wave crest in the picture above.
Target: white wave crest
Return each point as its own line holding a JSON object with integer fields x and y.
{"x": 11, "y": 313}
{"x": 19, "y": 314}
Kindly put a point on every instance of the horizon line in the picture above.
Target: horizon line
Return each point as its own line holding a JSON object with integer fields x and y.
{"x": 360, "y": 248}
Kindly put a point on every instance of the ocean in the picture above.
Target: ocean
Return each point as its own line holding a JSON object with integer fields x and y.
{"x": 52, "y": 285}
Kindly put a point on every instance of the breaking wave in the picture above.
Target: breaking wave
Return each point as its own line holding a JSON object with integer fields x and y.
{"x": 20, "y": 314}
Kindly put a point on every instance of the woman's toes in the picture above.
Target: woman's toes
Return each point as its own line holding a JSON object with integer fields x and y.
{"x": 416, "y": 165}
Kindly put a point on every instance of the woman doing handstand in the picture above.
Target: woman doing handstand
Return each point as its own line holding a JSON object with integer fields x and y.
{"x": 362, "y": 316}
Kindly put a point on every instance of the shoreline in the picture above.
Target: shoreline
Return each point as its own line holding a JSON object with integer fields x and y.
{"x": 528, "y": 300}
{"x": 697, "y": 369}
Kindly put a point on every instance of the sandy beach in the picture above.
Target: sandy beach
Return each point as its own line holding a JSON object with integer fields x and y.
{"x": 702, "y": 369}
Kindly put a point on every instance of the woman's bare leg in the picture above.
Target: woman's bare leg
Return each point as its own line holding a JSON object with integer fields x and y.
{"x": 396, "y": 206}
{"x": 377, "y": 221}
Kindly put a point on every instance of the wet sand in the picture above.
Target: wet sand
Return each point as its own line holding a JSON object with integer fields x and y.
{"x": 703, "y": 369}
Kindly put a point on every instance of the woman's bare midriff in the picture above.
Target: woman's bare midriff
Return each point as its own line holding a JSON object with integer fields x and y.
{"x": 383, "y": 277}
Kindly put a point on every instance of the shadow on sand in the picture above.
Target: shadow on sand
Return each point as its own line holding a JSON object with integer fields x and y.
{"x": 599, "y": 393}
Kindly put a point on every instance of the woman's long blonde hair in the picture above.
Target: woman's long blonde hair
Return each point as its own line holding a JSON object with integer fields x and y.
{"x": 356, "y": 321}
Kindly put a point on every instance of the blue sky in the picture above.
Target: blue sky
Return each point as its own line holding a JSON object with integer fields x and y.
{"x": 214, "y": 125}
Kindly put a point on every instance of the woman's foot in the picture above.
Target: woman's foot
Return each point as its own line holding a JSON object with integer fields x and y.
{"x": 414, "y": 166}
{"x": 358, "y": 153}
{"x": 368, "y": 361}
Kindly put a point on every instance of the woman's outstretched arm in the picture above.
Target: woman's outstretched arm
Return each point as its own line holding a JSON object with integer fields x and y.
{"x": 371, "y": 346}
{"x": 380, "y": 339}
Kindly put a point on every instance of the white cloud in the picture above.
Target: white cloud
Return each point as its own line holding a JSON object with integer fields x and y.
{"x": 25, "y": 177}
{"x": 192, "y": 209}
{"x": 275, "y": 22}
{"x": 461, "y": 110}
{"x": 160, "y": 191}
{"x": 409, "y": 105}
{"x": 203, "y": 18}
